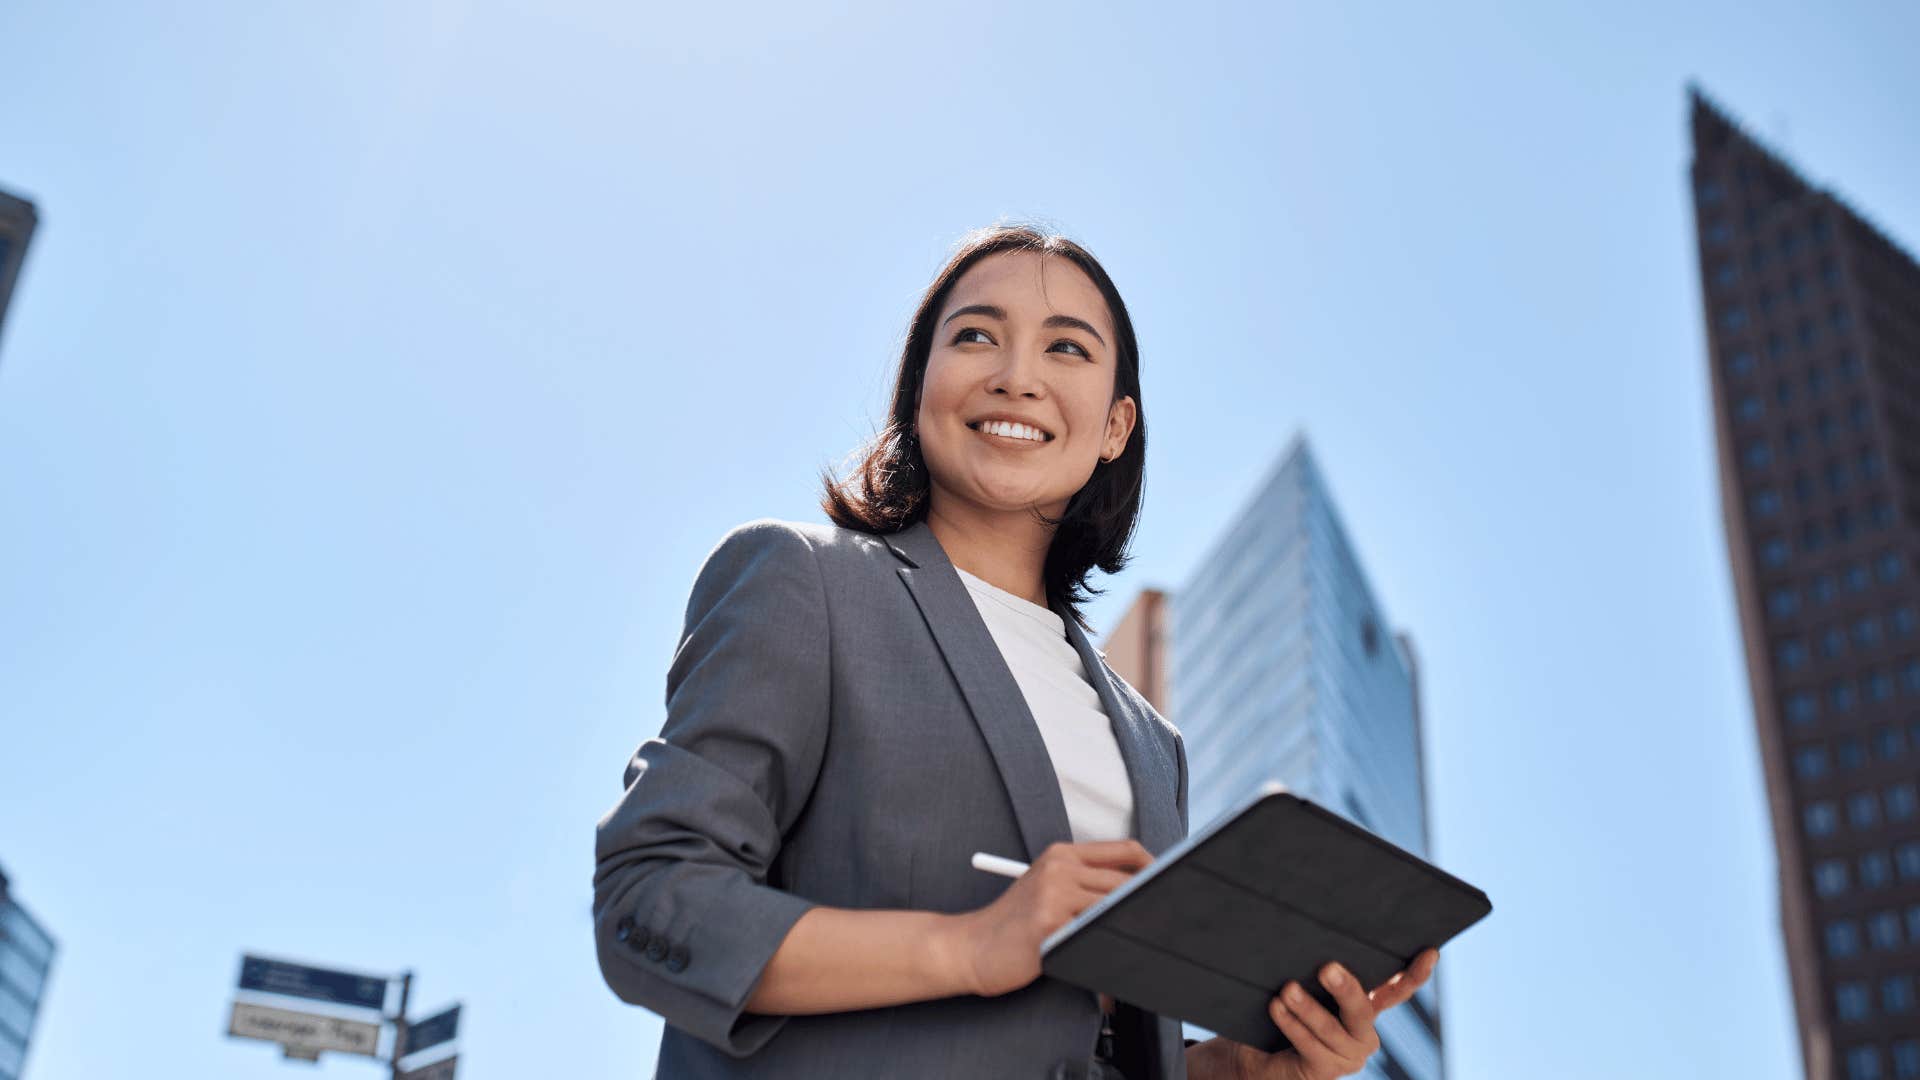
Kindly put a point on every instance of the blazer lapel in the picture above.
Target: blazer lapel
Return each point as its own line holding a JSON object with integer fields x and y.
{"x": 1154, "y": 777}
{"x": 991, "y": 693}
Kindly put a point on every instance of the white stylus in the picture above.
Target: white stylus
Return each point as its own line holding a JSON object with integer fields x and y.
{"x": 994, "y": 864}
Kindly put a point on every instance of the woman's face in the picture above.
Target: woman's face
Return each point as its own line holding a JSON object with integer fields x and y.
{"x": 1023, "y": 337}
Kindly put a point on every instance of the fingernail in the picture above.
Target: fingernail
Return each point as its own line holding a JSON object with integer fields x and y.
{"x": 1336, "y": 977}
{"x": 1295, "y": 994}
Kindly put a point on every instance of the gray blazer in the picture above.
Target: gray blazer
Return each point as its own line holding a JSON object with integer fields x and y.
{"x": 841, "y": 729}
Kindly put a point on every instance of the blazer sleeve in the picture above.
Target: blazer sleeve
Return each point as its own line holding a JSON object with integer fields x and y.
{"x": 684, "y": 919}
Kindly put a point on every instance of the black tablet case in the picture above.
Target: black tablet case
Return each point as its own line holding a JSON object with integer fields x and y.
{"x": 1267, "y": 893}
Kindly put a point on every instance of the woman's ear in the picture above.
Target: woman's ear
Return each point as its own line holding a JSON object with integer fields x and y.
{"x": 1120, "y": 419}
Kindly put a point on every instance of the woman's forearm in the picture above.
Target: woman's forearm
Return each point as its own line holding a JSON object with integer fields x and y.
{"x": 838, "y": 959}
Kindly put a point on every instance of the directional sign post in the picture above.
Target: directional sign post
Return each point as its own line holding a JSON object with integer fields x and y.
{"x": 439, "y": 1070}
{"x": 318, "y": 984}
{"x": 304, "y": 1034}
{"x": 434, "y": 1030}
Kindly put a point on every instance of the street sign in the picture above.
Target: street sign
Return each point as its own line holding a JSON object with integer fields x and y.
{"x": 432, "y": 1031}
{"x": 320, "y": 984}
{"x": 439, "y": 1070}
{"x": 303, "y": 1034}
{"x": 297, "y": 1053}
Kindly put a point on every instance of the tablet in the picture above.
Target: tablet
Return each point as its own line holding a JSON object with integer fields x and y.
{"x": 1268, "y": 892}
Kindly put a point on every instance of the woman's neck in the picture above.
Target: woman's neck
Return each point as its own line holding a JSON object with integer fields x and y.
{"x": 1005, "y": 550}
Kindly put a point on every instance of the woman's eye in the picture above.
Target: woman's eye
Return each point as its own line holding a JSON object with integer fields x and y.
{"x": 1074, "y": 345}
{"x": 962, "y": 335}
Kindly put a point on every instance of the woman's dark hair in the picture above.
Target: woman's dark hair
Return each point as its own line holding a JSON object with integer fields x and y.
{"x": 888, "y": 487}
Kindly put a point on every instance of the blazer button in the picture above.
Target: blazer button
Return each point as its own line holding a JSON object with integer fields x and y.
{"x": 677, "y": 958}
{"x": 640, "y": 936}
{"x": 657, "y": 949}
{"x": 623, "y": 929}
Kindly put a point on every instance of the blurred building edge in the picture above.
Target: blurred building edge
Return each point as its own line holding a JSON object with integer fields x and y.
{"x": 1813, "y": 335}
{"x": 1137, "y": 647}
{"x": 1276, "y": 663}
{"x": 17, "y": 219}
{"x": 26, "y": 955}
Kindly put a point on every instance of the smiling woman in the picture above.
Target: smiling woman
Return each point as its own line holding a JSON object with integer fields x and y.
{"x": 1016, "y": 422}
{"x": 855, "y": 710}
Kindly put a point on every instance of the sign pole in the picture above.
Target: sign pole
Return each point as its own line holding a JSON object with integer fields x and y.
{"x": 400, "y": 1021}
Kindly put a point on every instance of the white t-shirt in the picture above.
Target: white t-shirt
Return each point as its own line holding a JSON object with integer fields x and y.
{"x": 1073, "y": 723}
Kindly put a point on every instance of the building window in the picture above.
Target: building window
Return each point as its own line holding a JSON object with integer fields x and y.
{"x": 1802, "y": 708}
{"x": 1887, "y": 566}
{"x": 1866, "y": 632}
{"x": 1857, "y": 578}
{"x": 1784, "y": 602}
{"x": 1910, "y": 676}
{"x": 1863, "y": 810}
{"x": 1791, "y": 654}
{"x": 1906, "y": 1059}
{"x": 1903, "y": 622}
{"x": 1726, "y": 273}
{"x": 1879, "y": 686}
{"x": 1758, "y": 454}
{"x": 1782, "y": 392}
{"x": 1876, "y": 870}
{"x": 1766, "y": 502}
{"x": 1823, "y": 589}
{"x": 1913, "y": 923}
{"x": 1718, "y": 232}
{"x": 1896, "y": 994}
{"x": 1832, "y": 643}
{"x": 1820, "y": 818}
{"x": 1889, "y": 743}
{"x": 1830, "y": 877}
{"x": 1869, "y": 464}
{"x": 1837, "y": 478}
{"x": 1843, "y": 939}
{"x": 1901, "y": 800}
{"x": 1850, "y": 753}
{"x": 1810, "y": 762}
{"x": 1883, "y": 930}
{"x": 1711, "y": 193}
{"x": 1773, "y": 551}
{"x": 1839, "y": 319}
{"x": 1840, "y": 696}
{"x": 1880, "y": 514}
{"x": 1810, "y": 536}
{"x": 1863, "y": 1063}
{"x": 1741, "y": 363}
{"x": 1906, "y": 860}
{"x": 1734, "y": 318}
{"x": 1854, "y": 1004}
{"x": 1750, "y": 408}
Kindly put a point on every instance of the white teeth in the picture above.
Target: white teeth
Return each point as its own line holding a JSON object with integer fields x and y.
{"x": 1012, "y": 430}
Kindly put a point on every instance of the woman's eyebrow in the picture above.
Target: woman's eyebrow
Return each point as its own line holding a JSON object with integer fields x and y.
{"x": 992, "y": 312}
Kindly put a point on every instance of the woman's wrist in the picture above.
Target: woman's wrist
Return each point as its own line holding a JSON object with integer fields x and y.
{"x": 1213, "y": 1059}
{"x": 948, "y": 956}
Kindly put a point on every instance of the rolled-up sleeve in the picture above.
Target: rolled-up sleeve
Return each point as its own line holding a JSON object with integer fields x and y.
{"x": 684, "y": 919}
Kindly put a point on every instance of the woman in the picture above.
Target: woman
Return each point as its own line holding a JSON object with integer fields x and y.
{"x": 855, "y": 709}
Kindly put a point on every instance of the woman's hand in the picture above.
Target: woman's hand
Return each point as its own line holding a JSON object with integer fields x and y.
{"x": 1324, "y": 1047}
{"x": 1000, "y": 943}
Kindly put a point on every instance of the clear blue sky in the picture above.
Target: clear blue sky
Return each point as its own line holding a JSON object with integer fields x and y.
{"x": 382, "y": 372}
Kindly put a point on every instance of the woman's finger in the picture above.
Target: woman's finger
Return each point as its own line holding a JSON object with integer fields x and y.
{"x": 1397, "y": 990}
{"x": 1336, "y": 1038}
{"x": 1128, "y": 853}
{"x": 1356, "y": 1010}
{"x": 1315, "y": 1053}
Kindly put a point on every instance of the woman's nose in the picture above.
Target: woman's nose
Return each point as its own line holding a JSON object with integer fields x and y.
{"x": 1019, "y": 374}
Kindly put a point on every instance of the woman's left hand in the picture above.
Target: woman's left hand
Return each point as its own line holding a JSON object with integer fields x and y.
{"x": 1326, "y": 1046}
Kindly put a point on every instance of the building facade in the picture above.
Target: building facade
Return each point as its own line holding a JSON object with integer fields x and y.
{"x": 1813, "y": 333}
{"x": 17, "y": 221}
{"x": 26, "y": 956}
{"x": 1281, "y": 665}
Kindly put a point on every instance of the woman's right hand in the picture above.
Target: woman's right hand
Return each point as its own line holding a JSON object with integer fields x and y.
{"x": 1000, "y": 943}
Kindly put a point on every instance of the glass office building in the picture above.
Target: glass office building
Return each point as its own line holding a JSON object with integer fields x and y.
{"x": 1284, "y": 666}
{"x": 26, "y": 955}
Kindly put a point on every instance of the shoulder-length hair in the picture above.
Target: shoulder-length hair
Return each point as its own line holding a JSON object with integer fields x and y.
{"x": 887, "y": 489}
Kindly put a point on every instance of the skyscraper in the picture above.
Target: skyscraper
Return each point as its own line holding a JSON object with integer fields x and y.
{"x": 17, "y": 219}
{"x": 1281, "y": 665}
{"x": 1813, "y": 334}
{"x": 26, "y": 955}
